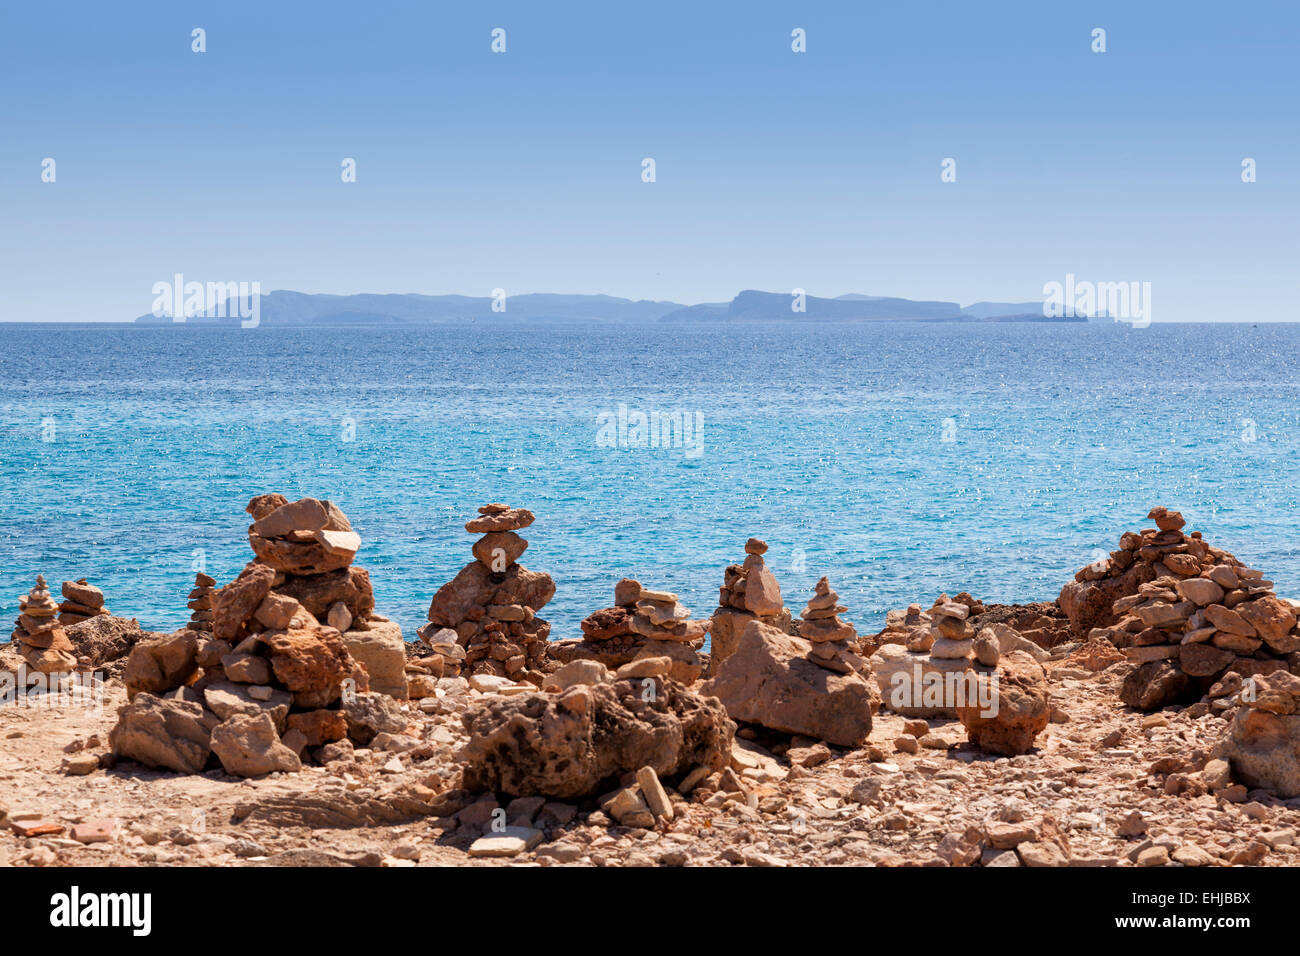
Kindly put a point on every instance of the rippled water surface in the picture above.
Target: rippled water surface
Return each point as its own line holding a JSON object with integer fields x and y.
{"x": 827, "y": 441}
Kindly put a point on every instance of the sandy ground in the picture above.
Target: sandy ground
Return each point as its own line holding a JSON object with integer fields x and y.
{"x": 1101, "y": 789}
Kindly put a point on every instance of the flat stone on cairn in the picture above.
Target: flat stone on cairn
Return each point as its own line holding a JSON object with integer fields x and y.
{"x": 749, "y": 592}
{"x": 491, "y": 605}
{"x": 200, "y": 603}
{"x": 81, "y": 602}
{"x": 301, "y": 537}
{"x": 832, "y": 640}
{"x": 39, "y": 635}
{"x": 952, "y": 631}
{"x": 497, "y": 518}
{"x": 659, "y": 617}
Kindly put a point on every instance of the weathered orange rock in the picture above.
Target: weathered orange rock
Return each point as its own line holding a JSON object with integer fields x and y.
{"x": 320, "y": 726}
{"x": 162, "y": 663}
{"x": 1273, "y": 621}
{"x": 235, "y": 603}
{"x": 320, "y": 592}
{"x": 509, "y": 519}
{"x": 607, "y": 623}
{"x": 1204, "y": 660}
{"x": 762, "y": 592}
{"x": 498, "y": 550}
{"x": 475, "y": 587}
{"x": 1020, "y": 707}
{"x": 768, "y": 680}
{"x": 311, "y": 663}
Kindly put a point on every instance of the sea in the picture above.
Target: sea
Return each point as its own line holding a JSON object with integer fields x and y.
{"x": 899, "y": 460}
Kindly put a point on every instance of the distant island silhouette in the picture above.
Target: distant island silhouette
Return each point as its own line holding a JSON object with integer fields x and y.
{"x": 286, "y": 308}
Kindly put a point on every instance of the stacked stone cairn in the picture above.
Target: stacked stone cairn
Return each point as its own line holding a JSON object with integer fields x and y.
{"x": 660, "y": 617}
{"x": 641, "y": 624}
{"x": 491, "y": 605}
{"x": 1203, "y": 614}
{"x": 952, "y": 631}
{"x": 268, "y": 680}
{"x": 448, "y": 655}
{"x": 81, "y": 602}
{"x": 834, "y": 642}
{"x": 1142, "y": 556}
{"x": 311, "y": 545}
{"x": 909, "y": 650}
{"x": 200, "y": 602}
{"x": 749, "y": 592}
{"x": 911, "y": 626}
{"x": 38, "y": 634}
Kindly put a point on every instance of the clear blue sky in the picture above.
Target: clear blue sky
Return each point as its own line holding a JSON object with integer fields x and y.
{"x": 775, "y": 170}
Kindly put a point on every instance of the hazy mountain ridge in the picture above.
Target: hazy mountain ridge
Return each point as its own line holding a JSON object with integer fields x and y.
{"x": 284, "y": 307}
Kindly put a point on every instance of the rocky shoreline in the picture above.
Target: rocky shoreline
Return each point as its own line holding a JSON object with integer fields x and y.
{"x": 1149, "y": 716}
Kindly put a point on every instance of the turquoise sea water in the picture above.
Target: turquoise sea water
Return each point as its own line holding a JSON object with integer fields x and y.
{"x": 126, "y": 454}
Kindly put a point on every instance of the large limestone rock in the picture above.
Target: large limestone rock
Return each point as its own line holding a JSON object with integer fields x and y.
{"x": 1262, "y": 744}
{"x": 580, "y": 742}
{"x": 727, "y": 628}
{"x": 162, "y": 663}
{"x": 476, "y": 587}
{"x": 163, "y": 732}
{"x": 915, "y": 684}
{"x": 1155, "y": 685}
{"x": 103, "y": 639}
{"x": 768, "y": 680}
{"x": 1008, "y": 708}
{"x": 248, "y": 746}
{"x": 227, "y": 699}
{"x": 1090, "y": 604}
{"x": 378, "y": 644}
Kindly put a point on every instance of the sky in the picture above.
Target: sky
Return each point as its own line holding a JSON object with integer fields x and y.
{"x": 774, "y": 170}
